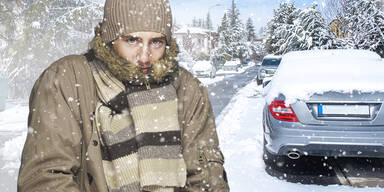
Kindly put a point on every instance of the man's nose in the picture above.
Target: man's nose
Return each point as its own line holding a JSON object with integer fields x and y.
{"x": 144, "y": 55}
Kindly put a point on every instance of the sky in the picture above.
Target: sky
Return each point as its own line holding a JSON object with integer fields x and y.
{"x": 259, "y": 10}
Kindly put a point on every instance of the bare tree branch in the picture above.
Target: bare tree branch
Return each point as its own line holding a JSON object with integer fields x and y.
{"x": 4, "y": 37}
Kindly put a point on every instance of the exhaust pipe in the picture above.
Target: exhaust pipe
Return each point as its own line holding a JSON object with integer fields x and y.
{"x": 293, "y": 155}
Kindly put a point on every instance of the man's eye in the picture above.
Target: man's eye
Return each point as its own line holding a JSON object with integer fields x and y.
{"x": 157, "y": 43}
{"x": 131, "y": 40}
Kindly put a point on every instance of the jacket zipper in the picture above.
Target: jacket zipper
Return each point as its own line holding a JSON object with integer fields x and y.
{"x": 147, "y": 84}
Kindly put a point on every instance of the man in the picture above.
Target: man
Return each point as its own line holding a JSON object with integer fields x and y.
{"x": 124, "y": 116}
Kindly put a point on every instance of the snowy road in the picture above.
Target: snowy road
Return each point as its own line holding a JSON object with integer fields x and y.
{"x": 221, "y": 92}
{"x": 240, "y": 133}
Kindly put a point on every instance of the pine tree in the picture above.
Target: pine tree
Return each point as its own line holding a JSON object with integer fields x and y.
{"x": 208, "y": 22}
{"x": 220, "y": 53}
{"x": 194, "y": 22}
{"x": 281, "y": 29}
{"x": 234, "y": 15}
{"x": 232, "y": 36}
{"x": 316, "y": 33}
{"x": 224, "y": 24}
{"x": 200, "y": 23}
{"x": 237, "y": 41}
{"x": 250, "y": 30}
{"x": 236, "y": 35}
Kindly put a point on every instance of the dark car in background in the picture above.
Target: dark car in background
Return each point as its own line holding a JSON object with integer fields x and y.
{"x": 268, "y": 67}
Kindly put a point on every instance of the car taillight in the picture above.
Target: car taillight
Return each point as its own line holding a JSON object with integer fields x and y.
{"x": 281, "y": 112}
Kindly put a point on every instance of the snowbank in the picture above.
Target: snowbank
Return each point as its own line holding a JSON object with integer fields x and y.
{"x": 202, "y": 66}
{"x": 14, "y": 119}
{"x": 10, "y": 153}
{"x": 304, "y": 73}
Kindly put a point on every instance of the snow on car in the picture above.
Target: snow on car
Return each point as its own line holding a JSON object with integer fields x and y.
{"x": 204, "y": 69}
{"x": 233, "y": 65}
{"x": 304, "y": 73}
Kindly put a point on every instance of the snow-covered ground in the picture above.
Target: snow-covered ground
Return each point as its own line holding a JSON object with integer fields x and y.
{"x": 240, "y": 70}
{"x": 240, "y": 133}
{"x": 207, "y": 81}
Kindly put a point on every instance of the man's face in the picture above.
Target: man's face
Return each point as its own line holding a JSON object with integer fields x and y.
{"x": 141, "y": 48}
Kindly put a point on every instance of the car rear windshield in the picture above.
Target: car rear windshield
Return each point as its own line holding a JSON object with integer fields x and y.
{"x": 271, "y": 62}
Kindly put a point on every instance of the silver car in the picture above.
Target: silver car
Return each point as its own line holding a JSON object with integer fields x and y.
{"x": 268, "y": 67}
{"x": 330, "y": 123}
{"x": 204, "y": 69}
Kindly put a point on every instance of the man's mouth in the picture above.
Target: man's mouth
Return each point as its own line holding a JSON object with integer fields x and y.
{"x": 145, "y": 70}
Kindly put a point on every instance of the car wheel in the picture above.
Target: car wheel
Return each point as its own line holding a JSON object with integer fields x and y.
{"x": 259, "y": 82}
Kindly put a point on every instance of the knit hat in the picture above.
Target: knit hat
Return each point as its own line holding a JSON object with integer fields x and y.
{"x": 129, "y": 16}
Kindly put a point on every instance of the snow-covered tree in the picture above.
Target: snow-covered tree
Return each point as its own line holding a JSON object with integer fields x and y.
{"x": 366, "y": 25}
{"x": 224, "y": 24}
{"x": 234, "y": 14}
{"x": 220, "y": 53}
{"x": 316, "y": 32}
{"x": 42, "y": 31}
{"x": 256, "y": 50}
{"x": 290, "y": 37}
{"x": 293, "y": 29}
{"x": 194, "y": 22}
{"x": 208, "y": 22}
{"x": 232, "y": 39}
{"x": 281, "y": 27}
{"x": 238, "y": 41}
{"x": 236, "y": 36}
{"x": 332, "y": 9}
{"x": 250, "y": 30}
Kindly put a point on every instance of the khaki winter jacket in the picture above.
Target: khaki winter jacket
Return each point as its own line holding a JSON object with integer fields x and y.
{"x": 62, "y": 150}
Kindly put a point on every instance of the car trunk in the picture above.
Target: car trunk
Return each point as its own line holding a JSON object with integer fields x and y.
{"x": 343, "y": 109}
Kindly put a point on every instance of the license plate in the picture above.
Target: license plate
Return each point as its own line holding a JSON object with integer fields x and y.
{"x": 343, "y": 110}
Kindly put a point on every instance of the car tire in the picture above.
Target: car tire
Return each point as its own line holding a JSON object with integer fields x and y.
{"x": 259, "y": 82}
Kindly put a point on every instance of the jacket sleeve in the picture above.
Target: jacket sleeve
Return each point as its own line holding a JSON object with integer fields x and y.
{"x": 201, "y": 150}
{"x": 51, "y": 154}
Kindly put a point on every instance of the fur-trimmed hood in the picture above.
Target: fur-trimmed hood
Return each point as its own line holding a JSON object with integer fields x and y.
{"x": 129, "y": 72}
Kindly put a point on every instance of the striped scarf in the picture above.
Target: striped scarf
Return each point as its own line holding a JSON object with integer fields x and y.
{"x": 140, "y": 135}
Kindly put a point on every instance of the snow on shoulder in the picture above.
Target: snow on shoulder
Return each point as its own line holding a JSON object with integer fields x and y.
{"x": 304, "y": 73}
